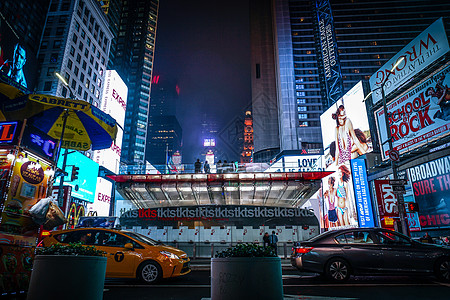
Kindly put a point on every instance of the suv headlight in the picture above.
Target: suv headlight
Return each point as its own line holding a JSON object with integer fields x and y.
{"x": 169, "y": 254}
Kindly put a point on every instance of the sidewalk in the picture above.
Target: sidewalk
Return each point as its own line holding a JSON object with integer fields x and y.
{"x": 204, "y": 264}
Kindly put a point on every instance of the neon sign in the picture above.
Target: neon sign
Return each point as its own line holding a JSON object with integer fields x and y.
{"x": 7, "y": 131}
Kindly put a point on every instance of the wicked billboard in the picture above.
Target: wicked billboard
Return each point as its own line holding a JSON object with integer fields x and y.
{"x": 431, "y": 188}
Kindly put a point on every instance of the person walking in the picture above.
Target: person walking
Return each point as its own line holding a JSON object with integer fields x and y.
{"x": 206, "y": 167}
{"x": 198, "y": 166}
{"x": 266, "y": 239}
{"x": 273, "y": 240}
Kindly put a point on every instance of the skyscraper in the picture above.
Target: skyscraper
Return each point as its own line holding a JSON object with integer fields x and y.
{"x": 134, "y": 63}
{"x": 113, "y": 11}
{"x": 75, "y": 43}
{"x": 288, "y": 63}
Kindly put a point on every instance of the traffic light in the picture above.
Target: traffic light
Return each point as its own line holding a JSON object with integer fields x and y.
{"x": 413, "y": 207}
{"x": 74, "y": 175}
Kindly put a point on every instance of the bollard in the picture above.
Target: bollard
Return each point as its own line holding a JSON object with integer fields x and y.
{"x": 194, "y": 251}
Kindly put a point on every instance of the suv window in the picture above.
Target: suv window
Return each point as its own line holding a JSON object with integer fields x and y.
{"x": 355, "y": 237}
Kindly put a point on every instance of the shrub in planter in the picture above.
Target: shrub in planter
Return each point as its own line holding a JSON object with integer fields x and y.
{"x": 69, "y": 271}
{"x": 246, "y": 271}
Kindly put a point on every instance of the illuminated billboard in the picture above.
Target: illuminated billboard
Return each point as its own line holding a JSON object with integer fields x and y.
{"x": 345, "y": 128}
{"x": 346, "y": 136}
{"x": 114, "y": 103}
{"x": 18, "y": 65}
{"x": 209, "y": 142}
{"x": 419, "y": 116}
{"x": 431, "y": 188}
{"x": 427, "y": 47}
{"x": 102, "y": 201}
{"x": 84, "y": 187}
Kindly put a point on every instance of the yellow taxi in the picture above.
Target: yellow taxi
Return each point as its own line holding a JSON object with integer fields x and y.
{"x": 129, "y": 254}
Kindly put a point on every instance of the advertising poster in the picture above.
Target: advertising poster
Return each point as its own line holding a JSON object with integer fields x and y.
{"x": 114, "y": 103}
{"x": 102, "y": 201}
{"x": 387, "y": 204}
{"x": 419, "y": 116}
{"x": 431, "y": 189}
{"x": 5, "y": 167}
{"x": 345, "y": 135}
{"x": 414, "y": 57}
{"x": 29, "y": 182}
{"x": 362, "y": 193}
{"x": 84, "y": 186}
{"x": 297, "y": 163}
{"x": 15, "y": 268}
{"x": 18, "y": 64}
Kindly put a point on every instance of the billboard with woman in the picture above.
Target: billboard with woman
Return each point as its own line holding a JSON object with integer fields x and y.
{"x": 346, "y": 136}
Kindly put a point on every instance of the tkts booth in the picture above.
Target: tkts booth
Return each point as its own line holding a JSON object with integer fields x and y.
{"x": 26, "y": 168}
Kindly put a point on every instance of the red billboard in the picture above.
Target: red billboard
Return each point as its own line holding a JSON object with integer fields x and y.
{"x": 387, "y": 204}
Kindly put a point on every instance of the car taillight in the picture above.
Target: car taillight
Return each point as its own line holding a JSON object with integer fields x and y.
{"x": 302, "y": 250}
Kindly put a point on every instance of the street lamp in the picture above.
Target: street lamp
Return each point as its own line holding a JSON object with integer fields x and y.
{"x": 401, "y": 207}
{"x": 64, "y": 81}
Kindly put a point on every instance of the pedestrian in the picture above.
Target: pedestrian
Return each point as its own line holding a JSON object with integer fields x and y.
{"x": 273, "y": 240}
{"x": 198, "y": 166}
{"x": 266, "y": 239}
{"x": 427, "y": 238}
{"x": 219, "y": 167}
{"x": 206, "y": 167}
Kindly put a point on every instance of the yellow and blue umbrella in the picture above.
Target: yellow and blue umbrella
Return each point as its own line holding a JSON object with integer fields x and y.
{"x": 87, "y": 127}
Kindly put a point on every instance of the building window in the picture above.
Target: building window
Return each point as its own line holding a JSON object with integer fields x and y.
{"x": 78, "y": 58}
{"x": 84, "y": 65}
{"x": 76, "y": 70}
{"x": 59, "y": 31}
{"x": 86, "y": 52}
{"x": 47, "y": 86}
{"x": 80, "y": 46}
{"x": 44, "y": 45}
{"x": 85, "y": 96}
{"x": 258, "y": 71}
{"x": 91, "y": 59}
{"x": 302, "y": 116}
{"x": 80, "y": 90}
{"x": 301, "y": 108}
{"x": 51, "y": 71}
{"x": 56, "y": 44}
{"x": 77, "y": 26}
{"x": 72, "y": 50}
{"x": 74, "y": 38}
{"x": 83, "y": 34}
{"x": 64, "y": 92}
{"x": 69, "y": 64}
{"x": 88, "y": 41}
{"x": 89, "y": 71}
{"x": 81, "y": 76}
{"x": 54, "y": 57}
{"x": 74, "y": 84}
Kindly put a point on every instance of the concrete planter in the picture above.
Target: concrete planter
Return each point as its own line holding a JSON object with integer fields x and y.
{"x": 246, "y": 278}
{"x": 67, "y": 277}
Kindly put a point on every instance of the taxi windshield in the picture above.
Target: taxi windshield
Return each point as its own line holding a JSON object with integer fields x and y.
{"x": 141, "y": 238}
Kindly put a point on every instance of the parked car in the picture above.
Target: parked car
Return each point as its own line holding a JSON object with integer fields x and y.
{"x": 129, "y": 254}
{"x": 371, "y": 251}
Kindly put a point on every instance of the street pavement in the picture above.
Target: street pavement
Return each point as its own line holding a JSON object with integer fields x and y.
{"x": 296, "y": 285}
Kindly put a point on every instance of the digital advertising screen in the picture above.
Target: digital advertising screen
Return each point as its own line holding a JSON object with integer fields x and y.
{"x": 84, "y": 187}
{"x": 419, "y": 116}
{"x": 102, "y": 201}
{"x": 430, "y": 183}
{"x": 345, "y": 128}
{"x": 18, "y": 64}
{"x": 114, "y": 103}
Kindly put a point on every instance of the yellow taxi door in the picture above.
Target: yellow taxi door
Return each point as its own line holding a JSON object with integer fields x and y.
{"x": 121, "y": 262}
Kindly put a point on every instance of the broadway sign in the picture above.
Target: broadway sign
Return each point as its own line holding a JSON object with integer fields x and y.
{"x": 431, "y": 187}
{"x": 415, "y": 57}
{"x": 419, "y": 116}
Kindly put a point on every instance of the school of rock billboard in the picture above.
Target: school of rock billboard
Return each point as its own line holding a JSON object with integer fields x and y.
{"x": 346, "y": 136}
{"x": 428, "y": 46}
{"x": 419, "y": 116}
{"x": 431, "y": 188}
{"x": 114, "y": 103}
{"x": 18, "y": 65}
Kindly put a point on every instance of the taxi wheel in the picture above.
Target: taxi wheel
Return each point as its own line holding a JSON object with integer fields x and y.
{"x": 149, "y": 272}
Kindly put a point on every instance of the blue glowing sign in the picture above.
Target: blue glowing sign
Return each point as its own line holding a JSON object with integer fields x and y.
{"x": 362, "y": 194}
{"x": 84, "y": 187}
{"x": 39, "y": 142}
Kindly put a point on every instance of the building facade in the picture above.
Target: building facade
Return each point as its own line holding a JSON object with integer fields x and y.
{"x": 288, "y": 71}
{"x": 75, "y": 44}
{"x": 134, "y": 63}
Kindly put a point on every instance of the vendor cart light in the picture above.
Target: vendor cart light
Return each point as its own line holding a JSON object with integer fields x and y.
{"x": 10, "y": 156}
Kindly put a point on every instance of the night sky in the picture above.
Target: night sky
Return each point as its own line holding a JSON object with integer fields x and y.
{"x": 205, "y": 47}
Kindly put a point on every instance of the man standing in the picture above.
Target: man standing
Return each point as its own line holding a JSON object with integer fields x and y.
{"x": 198, "y": 166}
{"x": 273, "y": 240}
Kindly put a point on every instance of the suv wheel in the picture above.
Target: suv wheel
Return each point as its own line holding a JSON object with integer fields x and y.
{"x": 149, "y": 272}
{"x": 442, "y": 269}
{"x": 337, "y": 270}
